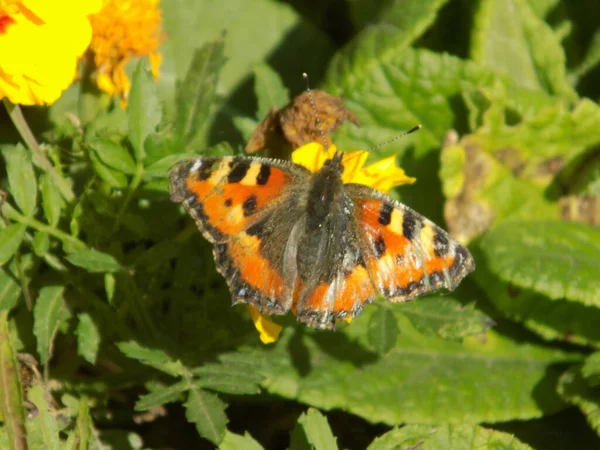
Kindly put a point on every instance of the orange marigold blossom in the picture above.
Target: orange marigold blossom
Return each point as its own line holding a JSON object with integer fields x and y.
{"x": 381, "y": 175}
{"x": 40, "y": 42}
{"x": 123, "y": 30}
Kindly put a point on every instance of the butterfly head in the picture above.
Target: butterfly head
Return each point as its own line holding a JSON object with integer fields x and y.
{"x": 334, "y": 165}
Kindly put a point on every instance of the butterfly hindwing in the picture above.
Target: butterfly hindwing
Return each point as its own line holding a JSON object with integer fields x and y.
{"x": 405, "y": 254}
{"x": 242, "y": 205}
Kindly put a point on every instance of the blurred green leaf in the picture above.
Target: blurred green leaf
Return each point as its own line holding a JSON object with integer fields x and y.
{"x": 591, "y": 369}
{"x": 207, "y": 412}
{"x": 509, "y": 38}
{"x": 269, "y": 90}
{"x": 383, "y": 330}
{"x": 83, "y": 428}
{"x": 88, "y": 338}
{"x": 576, "y": 391}
{"x": 113, "y": 178}
{"x": 195, "y": 94}
{"x": 446, "y": 317}
{"x": 113, "y": 155}
{"x": 558, "y": 259}
{"x": 52, "y": 201}
{"x": 94, "y": 261}
{"x": 161, "y": 395}
{"x": 152, "y": 357}
{"x": 10, "y": 240}
{"x": 455, "y": 437}
{"x": 41, "y": 243}
{"x": 46, "y": 318}
{"x": 233, "y": 441}
{"x": 12, "y": 412}
{"x": 42, "y": 428}
{"x": 10, "y": 290}
{"x": 228, "y": 379}
{"x": 21, "y": 178}
{"x": 396, "y": 388}
{"x": 312, "y": 431}
{"x": 143, "y": 109}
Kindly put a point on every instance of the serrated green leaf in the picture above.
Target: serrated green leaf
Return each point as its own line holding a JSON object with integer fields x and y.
{"x": 446, "y": 317}
{"x": 46, "y": 317}
{"x": 94, "y": 261}
{"x": 88, "y": 338}
{"x": 574, "y": 389}
{"x": 511, "y": 39}
{"x": 112, "y": 177}
{"x": 113, "y": 155}
{"x": 233, "y": 441}
{"x": 143, "y": 109}
{"x": 161, "y": 395}
{"x": 152, "y": 357}
{"x": 383, "y": 330}
{"x": 396, "y": 387}
{"x": 10, "y": 240}
{"x": 42, "y": 429}
{"x": 455, "y": 437}
{"x": 313, "y": 431}
{"x": 558, "y": 259}
{"x": 10, "y": 290}
{"x": 21, "y": 178}
{"x": 12, "y": 412}
{"x": 207, "y": 412}
{"x": 269, "y": 90}
{"x": 219, "y": 378}
{"x": 52, "y": 201}
{"x": 195, "y": 94}
{"x": 41, "y": 243}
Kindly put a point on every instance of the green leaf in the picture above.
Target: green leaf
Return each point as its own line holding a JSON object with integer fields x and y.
{"x": 41, "y": 243}
{"x": 591, "y": 369}
{"x": 233, "y": 441}
{"x": 455, "y": 437}
{"x": 161, "y": 395}
{"x": 383, "y": 330}
{"x": 220, "y": 378}
{"x": 207, "y": 412}
{"x": 42, "y": 429}
{"x": 446, "y": 317}
{"x": 575, "y": 390}
{"x": 160, "y": 168}
{"x": 196, "y": 93}
{"x": 10, "y": 290}
{"x": 46, "y": 318}
{"x": 558, "y": 259}
{"x": 21, "y": 178}
{"x": 269, "y": 89}
{"x": 511, "y": 39}
{"x": 88, "y": 338}
{"x": 143, "y": 109}
{"x": 10, "y": 240}
{"x": 112, "y": 177}
{"x": 83, "y": 428}
{"x": 313, "y": 431}
{"x": 113, "y": 155}
{"x": 94, "y": 261}
{"x": 12, "y": 412}
{"x": 151, "y": 357}
{"x": 52, "y": 201}
{"x": 324, "y": 370}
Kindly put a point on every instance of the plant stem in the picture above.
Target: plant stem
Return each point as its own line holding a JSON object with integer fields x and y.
{"x": 21, "y": 125}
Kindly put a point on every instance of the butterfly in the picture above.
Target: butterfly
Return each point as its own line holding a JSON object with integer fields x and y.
{"x": 286, "y": 238}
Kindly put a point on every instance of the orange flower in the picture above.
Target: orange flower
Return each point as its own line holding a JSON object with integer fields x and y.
{"x": 40, "y": 42}
{"x": 123, "y": 30}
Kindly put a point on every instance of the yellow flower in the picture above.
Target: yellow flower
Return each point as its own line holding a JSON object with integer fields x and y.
{"x": 382, "y": 175}
{"x": 124, "y": 29}
{"x": 40, "y": 42}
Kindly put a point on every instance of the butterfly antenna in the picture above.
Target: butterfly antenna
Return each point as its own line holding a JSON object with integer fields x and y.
{"x": 412, "y": 130}
{"x": 314, "y": 108}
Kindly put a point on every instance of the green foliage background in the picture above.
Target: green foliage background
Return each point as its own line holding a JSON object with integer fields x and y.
{"x": 116, "y": 332}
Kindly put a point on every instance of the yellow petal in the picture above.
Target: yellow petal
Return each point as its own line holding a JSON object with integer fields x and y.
{"x": 269, "y": 331}
{"x": 383, "y": 175}
{"x": 313, "y": 155}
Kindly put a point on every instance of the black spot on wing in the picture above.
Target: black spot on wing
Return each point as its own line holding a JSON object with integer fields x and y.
{"x": 379, "y": 246}
{"x": 238, "y": 171}
{"x": 228, "y": 202}
{"x": 385, "y": 214}
{"x": 441, "y": 245}
{"x": 256, "y": 229}
{"x": 205, "y": 170}
{"x": 411, "y": 224}
{"x": 263, "y": 175}
{"x": 249, "y": 205}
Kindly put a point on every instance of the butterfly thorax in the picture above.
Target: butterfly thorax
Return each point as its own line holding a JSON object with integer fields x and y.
{"x": 324, "y": 194}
